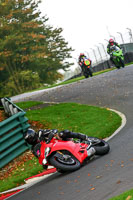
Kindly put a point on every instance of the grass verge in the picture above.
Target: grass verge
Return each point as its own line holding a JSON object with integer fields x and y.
{"x": 93, "y": 121}
{"x": 125, "y": 196}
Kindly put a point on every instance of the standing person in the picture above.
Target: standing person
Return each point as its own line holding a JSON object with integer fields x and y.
{"x": 111, "y": 43}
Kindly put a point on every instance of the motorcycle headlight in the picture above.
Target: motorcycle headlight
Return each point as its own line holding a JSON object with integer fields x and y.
{"x": 47, "y": 151}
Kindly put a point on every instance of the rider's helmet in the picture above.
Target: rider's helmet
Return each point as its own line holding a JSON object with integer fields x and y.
{"x": 111, "y": 42}
{"x": 30, "y": 136}
{"x": 82, "y": 54}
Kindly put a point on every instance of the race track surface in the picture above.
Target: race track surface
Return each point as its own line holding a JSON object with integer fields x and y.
{"x": 106, "y": 176}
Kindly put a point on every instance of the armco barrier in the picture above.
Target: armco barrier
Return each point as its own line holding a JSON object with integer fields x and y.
{"x": 12, "y": 129}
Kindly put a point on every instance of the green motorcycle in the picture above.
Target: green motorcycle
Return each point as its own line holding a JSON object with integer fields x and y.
{"x": 117, "y": 56}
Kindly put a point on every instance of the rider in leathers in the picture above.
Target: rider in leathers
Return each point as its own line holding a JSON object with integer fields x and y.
{"x": 81, "y": 60}
{"x": 111, "y": 43}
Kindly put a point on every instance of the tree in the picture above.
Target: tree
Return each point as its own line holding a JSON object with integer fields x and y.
{"x": 28, "y": 43}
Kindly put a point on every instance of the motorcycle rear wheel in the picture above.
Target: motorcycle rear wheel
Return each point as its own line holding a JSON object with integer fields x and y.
{"x": 63, "y": 165}
{"x": 101, "y": 147}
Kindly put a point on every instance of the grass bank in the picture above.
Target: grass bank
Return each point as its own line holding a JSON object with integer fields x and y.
{"x": 90, "y": 120}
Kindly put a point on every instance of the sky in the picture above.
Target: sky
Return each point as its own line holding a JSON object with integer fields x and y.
{"x": 87, "y": 23}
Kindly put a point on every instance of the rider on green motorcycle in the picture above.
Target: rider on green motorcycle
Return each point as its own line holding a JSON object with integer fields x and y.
{"x": 111, "y": 43}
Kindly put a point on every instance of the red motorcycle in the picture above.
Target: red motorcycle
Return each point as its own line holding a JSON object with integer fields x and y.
{"x": 70, "y": 155}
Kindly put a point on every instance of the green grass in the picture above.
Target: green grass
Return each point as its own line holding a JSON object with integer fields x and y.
{"x": 18, "y": 176}
{"x": 125, "y": 196}
{"x": 28, "y": 104}
{"x": 90, "y": 120}
{"x": 93, "y": 121}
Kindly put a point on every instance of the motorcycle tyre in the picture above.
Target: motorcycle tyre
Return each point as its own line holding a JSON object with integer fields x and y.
{"x": 101, "y": 148}
{"x": 122, "y": 63}
{"x": 90, "y": 72}
{"x": 116, "y": 63}
{"x": 61, "y": 171}
{"x": 86, "y": 76}
{"x": 84, "y": 73}
{"x": 62, "y": 168}
{"x": 118, "y": 67}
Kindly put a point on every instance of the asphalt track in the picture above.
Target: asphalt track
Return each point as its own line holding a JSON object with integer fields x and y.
{"x": 104, "y": 177}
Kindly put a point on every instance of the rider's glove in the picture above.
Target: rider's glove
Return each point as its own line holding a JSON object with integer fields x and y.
{"x": 42, "y": 133}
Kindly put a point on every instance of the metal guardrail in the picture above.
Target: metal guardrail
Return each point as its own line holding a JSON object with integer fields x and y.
{"x": 12, "y": 129}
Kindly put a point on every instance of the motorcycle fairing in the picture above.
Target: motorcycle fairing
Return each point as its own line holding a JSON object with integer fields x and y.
{"x": 76, "y": 149}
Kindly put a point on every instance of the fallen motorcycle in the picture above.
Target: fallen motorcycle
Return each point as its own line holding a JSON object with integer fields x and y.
{"x": 67, "y": 156}
{"x": 118, "y": 56}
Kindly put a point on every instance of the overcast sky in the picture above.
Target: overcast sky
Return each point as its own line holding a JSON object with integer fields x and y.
{"x": 87, "y": 23}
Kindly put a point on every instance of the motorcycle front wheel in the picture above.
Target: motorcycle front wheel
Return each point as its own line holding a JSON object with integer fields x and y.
{"x": 64, "y": 162}
{"x": 122, "y": 63}
{"x": 101, "y": 147}
{"x": 89, "y": 72}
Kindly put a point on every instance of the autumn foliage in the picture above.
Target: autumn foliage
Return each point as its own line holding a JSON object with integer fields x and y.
{"x": 28, "y": 43}
{"x": 2, "y": 115}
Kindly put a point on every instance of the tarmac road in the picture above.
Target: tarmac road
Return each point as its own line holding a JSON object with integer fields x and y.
{"x": 106, "y": 176}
